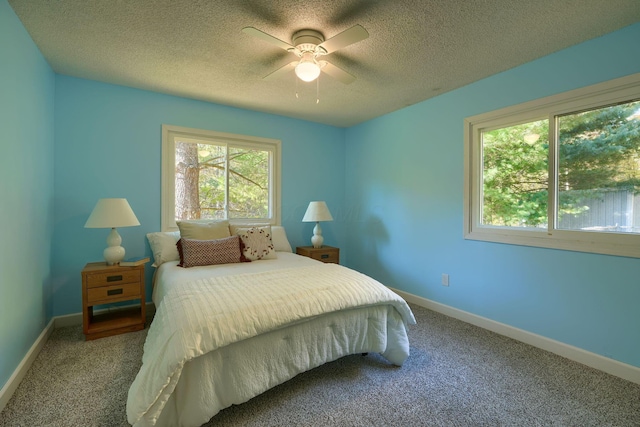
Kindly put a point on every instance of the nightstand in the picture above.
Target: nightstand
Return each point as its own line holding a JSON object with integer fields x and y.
{"x": 105, "y": 284}
{"x": 327, "y": 254}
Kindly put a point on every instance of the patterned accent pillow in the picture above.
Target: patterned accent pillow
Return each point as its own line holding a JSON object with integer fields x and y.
{"x": 210, "y": 252}
{"x": 257, "y": 243}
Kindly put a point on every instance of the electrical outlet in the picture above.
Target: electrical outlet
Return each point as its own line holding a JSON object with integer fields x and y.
{"x": 445, "y": 279}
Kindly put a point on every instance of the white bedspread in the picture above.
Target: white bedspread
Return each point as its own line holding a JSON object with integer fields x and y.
{"x": 169, "y": 273}
{"x": 209, "y": 314}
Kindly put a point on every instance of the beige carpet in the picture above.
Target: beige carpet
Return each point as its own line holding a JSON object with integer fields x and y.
{"x": 457, "y": 375}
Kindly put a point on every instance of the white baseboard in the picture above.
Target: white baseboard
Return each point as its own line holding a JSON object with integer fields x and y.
{"x": 57, "y": 322}
{"x": 12, "y": 384}
{"x": 605, "y": 364}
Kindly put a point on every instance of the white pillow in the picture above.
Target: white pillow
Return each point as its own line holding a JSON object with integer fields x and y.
{"x": 279, "y": 239}
{"x": 257, "y": 242}
{"x": 163, "y": 246}
{"x": 204, "y": 230}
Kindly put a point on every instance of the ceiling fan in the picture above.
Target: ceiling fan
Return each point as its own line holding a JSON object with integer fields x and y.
{"x": 309, "y": 45}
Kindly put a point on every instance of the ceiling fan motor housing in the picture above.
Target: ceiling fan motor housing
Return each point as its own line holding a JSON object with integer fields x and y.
{"x": 307, "y": 40}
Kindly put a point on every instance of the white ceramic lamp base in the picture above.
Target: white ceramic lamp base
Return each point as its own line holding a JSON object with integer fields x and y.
{"x": 114, "y": 253}
{"x": 317, "y": 238}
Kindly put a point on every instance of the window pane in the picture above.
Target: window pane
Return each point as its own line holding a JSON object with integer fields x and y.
{"x": 187, "y": 176}
{"x": 248, "y": 183}
{"x": 599, "y": 169}
{"x": 202, "y": 190}
{"x": 514, "y": 175}
{"x": 212, "y": 182}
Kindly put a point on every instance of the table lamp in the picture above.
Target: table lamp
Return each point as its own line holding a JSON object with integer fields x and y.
{"x": 316, "y": 212}
{"x": 112, "y": 213}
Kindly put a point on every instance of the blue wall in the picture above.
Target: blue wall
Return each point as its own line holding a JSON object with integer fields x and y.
{"x": 26, "y": 191}
{"x": 394, "y": 185}
{"x": 404, "y": 187}
{"x": 108, "y": 144}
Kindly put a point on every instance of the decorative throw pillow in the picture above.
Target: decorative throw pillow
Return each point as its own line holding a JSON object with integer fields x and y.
{"x": 163, "y": 246}
{"x": 257, "y": 243}
{"x": 204, "y": 230}
{"x": 210, "y": 252}
{"x": 235, "y": 228}
{"x": 278, "y": 234}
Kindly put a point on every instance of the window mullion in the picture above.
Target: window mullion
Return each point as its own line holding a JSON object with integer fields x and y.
{"x": 226, "y": 181}
{"x": 479, "y": 177}
{"x": 552, "y": 211}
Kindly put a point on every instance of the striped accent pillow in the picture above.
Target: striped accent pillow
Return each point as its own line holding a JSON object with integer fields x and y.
{"x": 210, "y": 252}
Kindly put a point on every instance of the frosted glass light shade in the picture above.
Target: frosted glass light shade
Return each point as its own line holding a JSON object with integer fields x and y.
{"x": 316, "y": 212}
{"x": 307, "y": 69}
{"x": 112, "y": 213}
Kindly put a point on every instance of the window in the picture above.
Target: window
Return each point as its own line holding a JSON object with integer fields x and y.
{"x": 213, "y": 175}
{"x": 561, "y": 172}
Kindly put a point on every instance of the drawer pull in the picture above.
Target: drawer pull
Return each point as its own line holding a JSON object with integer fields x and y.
{"x": 114, "y": 292}
{"x": 114, "y": 278}
{"x": 324, "y": 256}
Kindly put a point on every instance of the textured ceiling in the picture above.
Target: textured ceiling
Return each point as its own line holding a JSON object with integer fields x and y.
{"x": 416, "y": 49}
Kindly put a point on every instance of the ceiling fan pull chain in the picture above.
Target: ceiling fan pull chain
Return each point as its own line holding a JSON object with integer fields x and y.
{"x": 318, "y": 90}
{"x": 296, "y": 79}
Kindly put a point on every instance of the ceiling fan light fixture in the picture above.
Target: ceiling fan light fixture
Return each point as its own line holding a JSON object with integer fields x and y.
{"x": 308, "y": 68}
{"x": 308, "y": 45}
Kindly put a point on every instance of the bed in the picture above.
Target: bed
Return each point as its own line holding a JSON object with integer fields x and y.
{"x": 225, "y": 333}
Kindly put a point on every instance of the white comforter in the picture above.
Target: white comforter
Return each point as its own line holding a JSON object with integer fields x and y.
{"x": 210, "y": 315}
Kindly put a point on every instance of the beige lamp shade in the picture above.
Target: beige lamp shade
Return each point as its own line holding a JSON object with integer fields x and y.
{"x": 317, "y": 211}
{"x": 112, "y": 213}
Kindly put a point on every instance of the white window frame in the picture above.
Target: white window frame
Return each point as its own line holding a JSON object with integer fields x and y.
{"x": 167, "y": 200}
{"x": 602, "y": 94}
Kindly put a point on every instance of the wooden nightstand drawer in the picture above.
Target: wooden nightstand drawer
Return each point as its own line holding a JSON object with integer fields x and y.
{"x": 326, "y": 254}
{"x": 112, "y": 278}
{"x": 107, "y": 294}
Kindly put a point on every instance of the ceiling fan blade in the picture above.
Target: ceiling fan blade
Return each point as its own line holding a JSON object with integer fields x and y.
{"x": 352, "y": 35}
{"x": 263, "y": 12}
{"x": 267, "y": 37}
{"x": 353, "y": 11}
{"x": 281, "y": 71}
{"x": 337, "y": 73}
